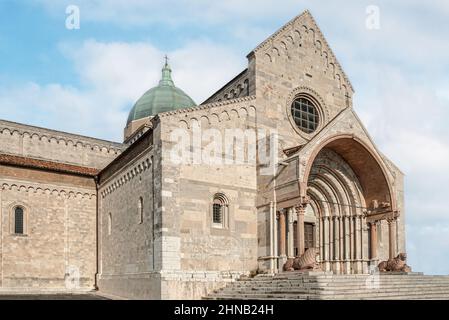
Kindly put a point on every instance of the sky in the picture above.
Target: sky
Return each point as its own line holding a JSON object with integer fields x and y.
{"x": 85, "y": 80}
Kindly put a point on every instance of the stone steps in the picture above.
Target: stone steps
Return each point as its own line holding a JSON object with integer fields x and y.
{"x": 341, "y": 295}
{"x": 375, "y": 296}
{"x": 329, "y": 287}
{"x": 335, "y": 291}
{"x": 332, "y": 286}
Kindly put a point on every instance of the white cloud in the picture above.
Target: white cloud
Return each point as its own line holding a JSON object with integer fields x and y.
{"x": 113, "y": 76}
{"x": 408, "y": 121}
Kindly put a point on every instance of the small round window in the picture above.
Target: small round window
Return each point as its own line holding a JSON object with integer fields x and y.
{"x": 305, "y": 115}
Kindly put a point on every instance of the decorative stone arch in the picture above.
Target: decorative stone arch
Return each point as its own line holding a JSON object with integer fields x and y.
{"x": 222, "y": 200}
{"x": 363, "y": 160}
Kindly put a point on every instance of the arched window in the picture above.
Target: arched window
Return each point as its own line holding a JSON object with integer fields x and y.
{"x": 220, "y": 211}
{"x": 109, "y": 224}
{"x": 140, "y": 210}
{"x": 19, "y": 220}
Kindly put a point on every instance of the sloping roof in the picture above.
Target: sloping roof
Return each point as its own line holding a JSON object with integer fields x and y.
{"x": 26, "y": 162}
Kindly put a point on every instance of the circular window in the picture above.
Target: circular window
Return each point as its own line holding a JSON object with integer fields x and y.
{"x": 305, "y": 115}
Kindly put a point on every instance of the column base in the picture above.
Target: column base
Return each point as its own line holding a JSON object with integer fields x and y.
{"x": 358, "y": 267}
{"x": 282, "y": 260}
{"x": 347, "y": 267}
{"x": 365, "y": 268}
{"x": 336, "y": 267}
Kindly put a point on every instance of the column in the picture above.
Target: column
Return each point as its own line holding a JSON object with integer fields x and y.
{"x": 342, "y": 236}
{"x": 320, "y": 241}
{"x": 358, "y": 242}
{"x": 271, "y": 230}
{"x": 337, "y": 244}
{"x": 275, "y": 239}
{"x": 331, "y": 240}
{"x": 300, "y": 211}
{"x": 282, "y": 226}
{"x": 326, "y": 243}
{"x": 290, "y": 244}
{"x": 396, "y": 227}
{"x": 364, "y": 245}
{"x": 351, "y": 237}
{"x": 373, "y": 244}
{"x": 392, "y": 239}
{"x": 347, "y": 245}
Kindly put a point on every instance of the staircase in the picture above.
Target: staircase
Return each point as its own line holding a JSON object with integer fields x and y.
{"x": 321, "y": 286}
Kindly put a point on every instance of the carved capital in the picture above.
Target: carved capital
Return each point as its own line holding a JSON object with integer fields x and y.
{"x": 391, "y": 219}
{"x": 300, "y": 208}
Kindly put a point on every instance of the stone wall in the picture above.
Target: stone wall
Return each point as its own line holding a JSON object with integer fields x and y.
{"x": 129, "y": 255}
{"x": 191, "y": 246}
{"x": 57, "y": 250}
{"x": 40, "y": 143}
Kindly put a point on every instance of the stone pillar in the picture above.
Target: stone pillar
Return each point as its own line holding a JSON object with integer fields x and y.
{"x": 300, "y": 211}
{"x": 347, "y": 244}
{"x": 331, "y": 240}
{"x": 320, "y": 240}
{"x": 358, "y": 242}
{"x": 270, "y": 234}
{"x": 364, "y": 245}
{"x": 351, "y": 238}
{"x": 373, "y": 244}
{"x": 290, "y": 243}
{"x": 326, "y": 243}
{"x": 336, "y": 244}
{"x": 282, "y": 229}
{"x": 392, "y": 237}
{"x": 342, "y": 249}
{"x": 275, "y": 240}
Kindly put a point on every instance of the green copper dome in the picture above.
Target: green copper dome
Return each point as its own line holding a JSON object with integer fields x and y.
{"x": 164, "y": 97}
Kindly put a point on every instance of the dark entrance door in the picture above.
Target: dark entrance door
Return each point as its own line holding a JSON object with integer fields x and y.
{"x": 308, "y": 236}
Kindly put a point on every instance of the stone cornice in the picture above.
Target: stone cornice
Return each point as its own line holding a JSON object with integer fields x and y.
{"x": 68, "y": 193}
{"x": 133, "y": 170}
{"x": 206, "y": 106}
{"x": 60, "y": 137}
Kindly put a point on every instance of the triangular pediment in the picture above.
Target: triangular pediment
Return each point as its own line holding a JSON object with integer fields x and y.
{"x": 304, "y": 25}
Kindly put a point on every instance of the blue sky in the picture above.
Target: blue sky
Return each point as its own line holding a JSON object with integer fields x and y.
{"x": 85, "y": 81}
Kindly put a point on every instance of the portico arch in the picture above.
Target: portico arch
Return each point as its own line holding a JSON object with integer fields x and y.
{"x": 365, "y": 163}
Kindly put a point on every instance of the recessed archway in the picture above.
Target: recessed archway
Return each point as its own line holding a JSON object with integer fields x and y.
{"x": 365, "y": 163}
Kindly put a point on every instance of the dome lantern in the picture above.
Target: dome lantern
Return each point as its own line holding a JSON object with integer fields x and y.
{"x": 162, "y": 98}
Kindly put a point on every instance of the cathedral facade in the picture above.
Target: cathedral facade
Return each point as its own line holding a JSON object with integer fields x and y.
{"x": 167, "y": 214}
